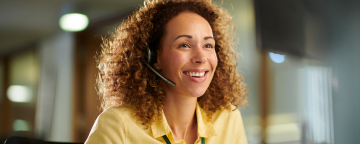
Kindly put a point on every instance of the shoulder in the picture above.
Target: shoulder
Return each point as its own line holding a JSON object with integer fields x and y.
{"x": 228, "y": 122}
{"x": 227, "y": 118}
{"x": 115, "y": 113}
{"x": 122, "y": 111}
{"x": 110, "y": 126}
{"x": 233, "y": 113}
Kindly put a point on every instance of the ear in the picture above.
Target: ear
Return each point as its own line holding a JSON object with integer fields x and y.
{"x": 156, "y": 66}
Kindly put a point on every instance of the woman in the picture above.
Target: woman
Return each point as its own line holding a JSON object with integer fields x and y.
{"x": 168, "y": 75}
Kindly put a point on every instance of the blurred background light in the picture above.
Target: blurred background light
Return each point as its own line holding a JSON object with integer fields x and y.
{"x": 73, "y": 22}
{"x": 18, "y": 93}
{"x": 21, "y": 125}
{"x": 277, "y": 58}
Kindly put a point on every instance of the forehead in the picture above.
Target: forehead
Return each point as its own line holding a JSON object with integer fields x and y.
{"x": 188, "y": 23}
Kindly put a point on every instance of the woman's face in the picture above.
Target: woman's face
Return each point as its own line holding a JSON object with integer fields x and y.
{"x": 187, "y": 55}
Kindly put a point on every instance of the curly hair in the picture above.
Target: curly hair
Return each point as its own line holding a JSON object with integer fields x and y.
{"x": 124, "y": 79}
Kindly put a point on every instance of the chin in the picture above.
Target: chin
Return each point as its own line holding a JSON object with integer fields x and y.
{"x": 197, "y": 92}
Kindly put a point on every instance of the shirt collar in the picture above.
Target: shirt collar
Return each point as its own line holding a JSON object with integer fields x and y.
{"x": 206, "y": 129}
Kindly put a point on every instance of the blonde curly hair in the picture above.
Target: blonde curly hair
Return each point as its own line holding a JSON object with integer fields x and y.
{"x": 125, "y": 80}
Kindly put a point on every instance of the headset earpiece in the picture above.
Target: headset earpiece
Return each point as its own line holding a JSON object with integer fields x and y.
{"x": 149, "y": 55}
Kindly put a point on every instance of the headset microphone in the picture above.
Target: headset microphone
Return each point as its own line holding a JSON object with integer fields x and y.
{"x": 149, "y": 61}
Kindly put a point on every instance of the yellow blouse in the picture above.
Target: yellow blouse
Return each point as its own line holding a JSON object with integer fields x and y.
{"x": 118, "y": 125}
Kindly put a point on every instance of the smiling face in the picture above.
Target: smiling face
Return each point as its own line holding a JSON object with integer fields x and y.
{"x": 187, "y": 55}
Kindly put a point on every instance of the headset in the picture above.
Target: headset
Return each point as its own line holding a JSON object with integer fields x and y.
{"x": 150, "y": 60}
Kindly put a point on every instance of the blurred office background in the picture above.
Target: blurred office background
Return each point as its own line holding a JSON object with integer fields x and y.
{"x": 300, "y": 60}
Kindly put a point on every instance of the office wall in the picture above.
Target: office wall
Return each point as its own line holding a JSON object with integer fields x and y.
{"x": 344, "y": 57}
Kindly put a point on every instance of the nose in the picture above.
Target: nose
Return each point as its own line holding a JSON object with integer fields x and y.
{"x": 199, "y": 56}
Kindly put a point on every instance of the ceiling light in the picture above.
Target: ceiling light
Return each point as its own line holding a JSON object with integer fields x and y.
{"x": 18, "y": 93}
{"x": 73, "y": 22}
{"x": 277, "y": 58}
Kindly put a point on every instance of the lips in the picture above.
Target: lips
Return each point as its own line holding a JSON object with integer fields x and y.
{"x": 196, "y": 75}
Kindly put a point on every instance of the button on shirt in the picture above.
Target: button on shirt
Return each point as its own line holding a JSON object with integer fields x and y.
{"x": 118, "y": 125}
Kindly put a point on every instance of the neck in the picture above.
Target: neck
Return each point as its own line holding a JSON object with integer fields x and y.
{"x": 180, "y": 115}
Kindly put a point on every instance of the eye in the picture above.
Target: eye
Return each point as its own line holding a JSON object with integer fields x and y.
{"x": 209, "y": 45}
{"x": 184, "y": 45}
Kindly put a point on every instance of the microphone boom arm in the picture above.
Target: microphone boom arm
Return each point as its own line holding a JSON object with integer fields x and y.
{"x": 161, "y": 76}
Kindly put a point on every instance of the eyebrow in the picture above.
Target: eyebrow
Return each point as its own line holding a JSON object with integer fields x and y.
{"x": 209, "y": 37}
{"x": 188, "y": 36}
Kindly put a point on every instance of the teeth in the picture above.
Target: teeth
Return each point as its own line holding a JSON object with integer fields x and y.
{"x": 195, "y": 74}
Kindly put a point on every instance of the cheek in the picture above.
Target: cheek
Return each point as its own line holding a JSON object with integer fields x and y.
{"x": 173, "y": 61}
{"x": 213, "y": 61}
